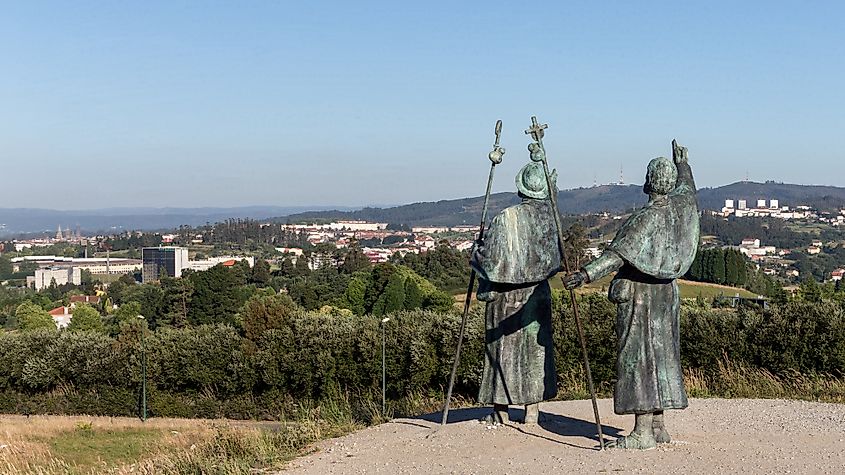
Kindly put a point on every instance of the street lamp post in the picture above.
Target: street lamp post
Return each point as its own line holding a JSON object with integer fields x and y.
{"x": 383, "y": 370}
{"x": 143, "y": 370}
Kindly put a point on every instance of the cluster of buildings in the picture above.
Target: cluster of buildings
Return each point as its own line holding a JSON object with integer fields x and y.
{"x": 335, "y": 232}
{"x": 774, "y": 261}
{"x": 444, "y": 229}
{"x": 772, "y": 208}
{"x": 342, "y": 233}
{"x": 61, "y": 236}
{"x": 764, "y": 208}
{"x": 768, "y": 258}
{"x": 68, "y": 270}
{"x": 172, "y": 261}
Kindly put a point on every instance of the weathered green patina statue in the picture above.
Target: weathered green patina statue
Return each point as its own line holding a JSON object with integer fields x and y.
{"x": 518, "y": 255}
{"x": 655, "y": 246}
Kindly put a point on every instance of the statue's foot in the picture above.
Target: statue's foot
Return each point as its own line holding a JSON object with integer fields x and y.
{"x": 634, "y": 441}
{"x": 532, "y": 414}
{"x": 661, "y": 435}
{"x": 499, "y": 415}
{"x": 491, "y": 418}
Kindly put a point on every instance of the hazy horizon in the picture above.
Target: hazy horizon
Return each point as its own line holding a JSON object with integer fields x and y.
{"x": 345, "y": 104}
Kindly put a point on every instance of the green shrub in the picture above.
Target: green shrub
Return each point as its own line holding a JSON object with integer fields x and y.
{"x": 295, "y": 358}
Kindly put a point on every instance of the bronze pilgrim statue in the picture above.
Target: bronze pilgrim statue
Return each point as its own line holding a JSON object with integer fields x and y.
{"x": 518, "y": 254}
{"x": 655, "y": 246}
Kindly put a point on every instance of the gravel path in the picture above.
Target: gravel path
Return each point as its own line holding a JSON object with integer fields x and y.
{"x": 711, "y": 436}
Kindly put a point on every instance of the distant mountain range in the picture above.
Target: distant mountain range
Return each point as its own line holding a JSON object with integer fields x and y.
{"x": 15, "y": 221}
{"x": 610, "y": 198}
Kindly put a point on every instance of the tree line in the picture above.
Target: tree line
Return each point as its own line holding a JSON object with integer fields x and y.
{"x": 719, "y": 266}
{"x": 276, "y": 356}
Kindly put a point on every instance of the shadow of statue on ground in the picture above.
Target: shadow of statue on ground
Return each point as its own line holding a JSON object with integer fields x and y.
{"x": 563, "y": 426}
{"x": 457, "y": 415}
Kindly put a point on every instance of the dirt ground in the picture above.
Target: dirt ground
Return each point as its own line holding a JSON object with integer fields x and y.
{"x": 711, "y": 436}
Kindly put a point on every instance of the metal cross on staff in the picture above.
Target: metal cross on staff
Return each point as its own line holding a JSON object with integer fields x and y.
{"x": 537, "y": 131}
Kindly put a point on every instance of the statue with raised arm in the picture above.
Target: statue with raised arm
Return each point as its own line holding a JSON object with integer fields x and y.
{"x": 655, "y": 246}
{"x": 514, "y": 262}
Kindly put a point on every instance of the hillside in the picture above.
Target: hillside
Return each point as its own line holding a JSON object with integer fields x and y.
{"x": 611, "y": 198}
{"x": 826, "y": 198}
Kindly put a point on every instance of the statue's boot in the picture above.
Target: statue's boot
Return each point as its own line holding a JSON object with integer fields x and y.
{"x": 499, "y": 415}
{"x": 661, "y": 435}
{"x": 532, "y": 413}
{"x": 634, "y": 441}
{"x": 641, "y": 438}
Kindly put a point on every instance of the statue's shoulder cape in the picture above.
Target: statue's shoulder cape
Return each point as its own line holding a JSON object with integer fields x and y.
{"x": 661, "y": 239}
{"x": 520, "y": 246}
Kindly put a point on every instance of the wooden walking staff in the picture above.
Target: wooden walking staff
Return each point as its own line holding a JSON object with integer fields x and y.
{"x": 537, "y": 131}
{"x": 495, "y": 157}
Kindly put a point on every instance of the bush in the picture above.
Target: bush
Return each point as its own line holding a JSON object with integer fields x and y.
{"x": 292, "y": 358}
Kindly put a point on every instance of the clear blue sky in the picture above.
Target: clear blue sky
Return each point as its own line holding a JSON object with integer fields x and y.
{"x": 289, "y": 103}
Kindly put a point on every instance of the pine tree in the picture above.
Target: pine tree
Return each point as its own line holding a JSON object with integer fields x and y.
{"x": 354, "y": 295}
{"x": 286, "y": 268}
{"x": 260, "y": 273}
{"x": 718, "y": 266}
{"x": 178, "y": 294}
{"x": 707, "y": 266}
{"x": 301, "y": 268}
{"x": 810, "y": 290}
{"x": 394, "y": 293}
{"x": 413, "y": 295}
{"x": 731, "y": 267}
{"x": 379, "y": 278}
{"x": 742, "y": 275}
{"x": 354, "y": 260}
{"x": 694, "y": 272}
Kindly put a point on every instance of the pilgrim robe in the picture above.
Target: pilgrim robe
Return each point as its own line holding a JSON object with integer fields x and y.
{"x": 517, "y": 256}
{"x": 655, "y": 246}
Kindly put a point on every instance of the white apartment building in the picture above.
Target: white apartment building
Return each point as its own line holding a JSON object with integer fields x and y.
{"x": 205, "y": 264}
{"x": 62, "y": 275}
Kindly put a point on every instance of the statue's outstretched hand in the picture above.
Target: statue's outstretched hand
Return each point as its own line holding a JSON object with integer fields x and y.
{"x": 575, "y": 280}
{"x": 679, "y": 154}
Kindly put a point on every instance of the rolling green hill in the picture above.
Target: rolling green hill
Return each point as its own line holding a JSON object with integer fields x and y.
{"x": 610, "y": 198}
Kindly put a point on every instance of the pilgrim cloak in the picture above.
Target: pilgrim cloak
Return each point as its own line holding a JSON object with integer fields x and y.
{"x": 518, "y": 255}
{"x": 655, "y": 246}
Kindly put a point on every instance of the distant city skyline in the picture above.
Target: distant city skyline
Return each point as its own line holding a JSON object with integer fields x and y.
{"x": 356, "y": 103}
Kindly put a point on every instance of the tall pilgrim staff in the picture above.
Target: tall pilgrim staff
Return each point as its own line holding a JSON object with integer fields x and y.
{"x": 495, "y": 157}
{"x": 537, "y": 131}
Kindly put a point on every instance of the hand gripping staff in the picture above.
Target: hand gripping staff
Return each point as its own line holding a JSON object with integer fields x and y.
{"x": 495, "y": 157}
{"x": 537, "y": 131}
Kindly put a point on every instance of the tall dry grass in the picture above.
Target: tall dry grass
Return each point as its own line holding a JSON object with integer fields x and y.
{"x": 183, "y": 446}
{"x": 26, "y": 441}
{"x": 180, "y": 446}
{"x": 733, "y": 380}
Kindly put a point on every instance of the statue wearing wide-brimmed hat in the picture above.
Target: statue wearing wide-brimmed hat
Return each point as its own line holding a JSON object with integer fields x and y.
{"x": 518, "y": 255}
